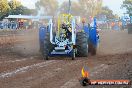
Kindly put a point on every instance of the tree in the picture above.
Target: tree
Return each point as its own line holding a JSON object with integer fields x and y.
{"x": 97, "y": 8}
{"x": 20, "y": 10}
{"x": 128, "y": 5}
{"x": 17, "y": 8}
{"x": 91, "y": 7}
{"x": 75, "y": 8}
{"x": 14, "y": 4}
{"x": 84, "y": 8}
{"x": 50, "y": 6}
{"x": 107, "y": 12}
{"x": 4, "y": 8}
{"x": 14, "y": 7}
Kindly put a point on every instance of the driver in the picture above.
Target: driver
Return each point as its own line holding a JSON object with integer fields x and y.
{"x": 67, "y": 29}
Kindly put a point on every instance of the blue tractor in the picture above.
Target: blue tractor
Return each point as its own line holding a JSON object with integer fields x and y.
{"x": 65, "y": 39}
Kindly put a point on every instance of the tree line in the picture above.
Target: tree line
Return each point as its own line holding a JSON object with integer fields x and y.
{"x": 83, "y": 8}
{"x": 127, "y": 4}
{"x": 13, "y": 7}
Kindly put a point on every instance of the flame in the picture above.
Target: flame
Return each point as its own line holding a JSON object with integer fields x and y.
{"x": 85, "y": 73}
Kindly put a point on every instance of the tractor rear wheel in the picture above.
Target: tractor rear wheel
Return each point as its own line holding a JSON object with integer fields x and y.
{"x": 47, "y": 46}
{"x": 82, "y": 44}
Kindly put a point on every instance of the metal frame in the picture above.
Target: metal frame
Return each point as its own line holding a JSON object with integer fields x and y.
{"x": 69, "y": 19}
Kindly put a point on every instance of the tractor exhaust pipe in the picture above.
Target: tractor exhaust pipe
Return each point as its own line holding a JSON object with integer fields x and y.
{"x": 51, "y": 31}
{"x": 69, "y": 7}
{"x": 73, "y": 31}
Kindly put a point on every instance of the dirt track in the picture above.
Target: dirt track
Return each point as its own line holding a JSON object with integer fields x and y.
{"x": 21, "y": 65}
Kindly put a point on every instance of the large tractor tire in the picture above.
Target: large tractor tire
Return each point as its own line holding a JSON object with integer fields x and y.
{"x": 47, "y": 46}
{"x": 82, "y": 44}
{"x": 92, "y": 49}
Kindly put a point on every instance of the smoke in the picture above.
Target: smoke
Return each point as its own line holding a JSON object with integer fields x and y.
{"x": 28, "y": 43}
{"x": 41, "y": 11}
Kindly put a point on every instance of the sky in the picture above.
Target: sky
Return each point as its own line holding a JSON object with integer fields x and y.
{"x": 112, "y": 4}
{"x": 115, "y": 6}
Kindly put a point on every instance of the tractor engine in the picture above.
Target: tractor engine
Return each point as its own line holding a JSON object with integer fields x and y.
{"x": 64, "y": 37}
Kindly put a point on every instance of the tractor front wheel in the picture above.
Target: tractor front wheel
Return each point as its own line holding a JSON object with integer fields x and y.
{"x": 47, "y": 47}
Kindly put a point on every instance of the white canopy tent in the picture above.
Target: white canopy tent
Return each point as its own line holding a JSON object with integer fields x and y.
{"x": 28, "y": 17}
